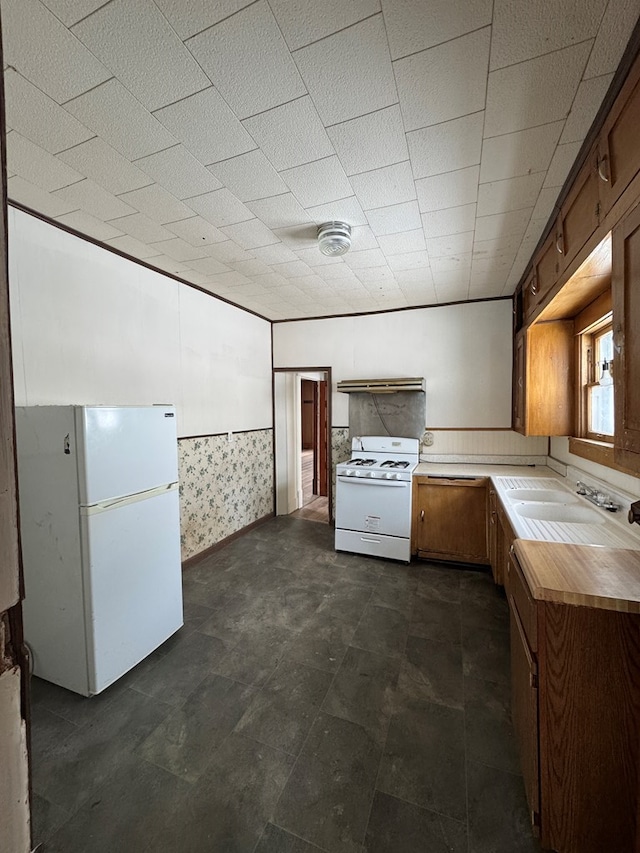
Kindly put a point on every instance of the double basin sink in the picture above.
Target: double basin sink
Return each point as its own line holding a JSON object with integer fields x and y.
{"x": 558, "y": 505}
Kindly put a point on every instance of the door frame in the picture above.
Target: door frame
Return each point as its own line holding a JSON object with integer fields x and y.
{"x": 296, "y": 370}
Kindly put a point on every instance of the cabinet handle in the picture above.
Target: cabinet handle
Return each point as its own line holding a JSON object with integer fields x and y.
{"x": 603, "y": 175}
{"x": 560, "y": 244}
{"x": 421, "y": 515}
{"x": 618, "y": 339}
{"x": 534, "y": 287}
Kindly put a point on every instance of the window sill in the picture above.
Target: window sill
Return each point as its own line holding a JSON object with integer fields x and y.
{"x": 596, "y": 451}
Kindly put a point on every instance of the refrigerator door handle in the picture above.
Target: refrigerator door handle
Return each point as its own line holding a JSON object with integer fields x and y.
{"x": 105, "y": 506}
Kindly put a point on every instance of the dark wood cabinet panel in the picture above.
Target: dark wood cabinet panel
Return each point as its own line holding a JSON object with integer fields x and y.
{"x": 450, "y": 519}
{"x": 625, "y": 282}
{"x": 546, "y": 268}
{"x": 580, "y": 213}
{"x": 519, "y": 379}
{"x": 618, "y": 148}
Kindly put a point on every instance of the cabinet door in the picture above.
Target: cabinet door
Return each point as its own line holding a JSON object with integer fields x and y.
{"x": 618, "y": 149}
{"x": 625, "y": 281}
{"x": 519, "y": 378}
{"x": 524, "y": 712}
{"x": 493, "y": 533}
{"x": 580, "y": 213}
{"x": 452, "y": 519}
{"x": 546, "y": 267}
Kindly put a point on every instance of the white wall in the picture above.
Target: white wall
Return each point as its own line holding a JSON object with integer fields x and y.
{"x": 91, "y": 327}
{"x": 463, "y": 351}
{"x": 559, "y": 449}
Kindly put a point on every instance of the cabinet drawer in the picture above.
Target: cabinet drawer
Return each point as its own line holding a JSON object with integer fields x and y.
{"x": 519, "y": 591}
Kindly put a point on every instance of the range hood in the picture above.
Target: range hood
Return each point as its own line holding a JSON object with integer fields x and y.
{"x": 381, "y": 386}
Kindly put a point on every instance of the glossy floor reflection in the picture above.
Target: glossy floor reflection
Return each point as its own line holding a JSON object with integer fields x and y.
{"x": 313, "y": 701}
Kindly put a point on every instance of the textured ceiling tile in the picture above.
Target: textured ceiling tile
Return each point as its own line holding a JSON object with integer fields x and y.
{"x": 248, "y": 62}
{"x": 389, "y": 185}
{"x": 191, "y": 120}
{"x": 379, "y": 274}
{"x": 451, "y": 285}
{"x": 450, "y": 244}
{"x": 510, "y": 194}
{"x": 519, "y": 153}
{"x": 71, "y": 11}
{"x": 451, "y": 189}
{"x": 318, "y": 182}
{"x": 396, "y": 217}
{"x": 84, "y": 223}
{"x": 229, "y": 252}
{"x": 125, "y": 37}
{"x": 276, "y": 254}
{"x": 93, "y": 199}
{"x": 208, "y": 266}
{"x": 349, "y": 74}
{"x": 407, "y": 241}
{"x": 270, "y": 281}
{"x": 617, "y": 23}
{"x": 39, "y": 118}
{"x": 178, "y": 171}
{"x": 291, "y": 134}
{"x": 303, "y": 22}
{"x": 33, "y": 42}
{"x": 36, "y": 165}
{"x": 337, "y": 273}
{"x": 344, "y": 209}
{"x": 313, "y": 257}
{"x": 115, "y": 115}
{"x": 250, "y": 234}
{"x": 97, "y": 160}
{"x": 298, "y": 237}
{"x": 167, "y": 264}
{"x": 412, "y": 27}
{"x": 196, "y": 230}
{"x": 502, "y": 224}
{"x": 279, "y": 211}
{"x": 220, "y": 208}
{"x": 444, "y": 82}
{"x": 370, "y": 142}
{"x": 455, "y": 262}
{"x": 446, "y": 147}
{"x": 36, "y": 198}
{"x": 545, "y": 203}
{"x": 524, "y": 30}
{"x": 157, "y": 204}
{"x": 366, "y": 258}
{"x": 141, "y": 228}
{"x": 130, "y": 246}
{"x": 249, "y": 176}
{"x": 179, "y": 249}
{"x": 584, "y": 108}
{"x": 408, "y": 261}
{"x": 500, "y": 246}
{"x": 292, "y": 269}
{"x": 252, "y": 267}
{"x": 188, "y": 17}
{"x": 454, "y": 220}
{"x": 534, "y": 92}
{"x": 561, "y": 163}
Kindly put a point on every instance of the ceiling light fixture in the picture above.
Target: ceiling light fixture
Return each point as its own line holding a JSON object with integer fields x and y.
{"x": 334, "y": 238}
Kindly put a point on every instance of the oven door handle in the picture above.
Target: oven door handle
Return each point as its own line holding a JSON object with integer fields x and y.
{"x": 371, "y": 481}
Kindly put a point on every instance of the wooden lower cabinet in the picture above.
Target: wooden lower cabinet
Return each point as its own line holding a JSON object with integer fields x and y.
{"x": 450, "y": 519}
{"x": 575, "y": 677}
{"x": 504, "y": 540}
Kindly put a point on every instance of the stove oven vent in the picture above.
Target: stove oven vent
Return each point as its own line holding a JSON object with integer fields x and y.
{"x": 381, "y": 386}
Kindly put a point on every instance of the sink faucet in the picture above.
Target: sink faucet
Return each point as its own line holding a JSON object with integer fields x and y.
{"x": 596, "y": 497}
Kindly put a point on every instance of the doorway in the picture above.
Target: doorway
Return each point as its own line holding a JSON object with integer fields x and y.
{"x": 302, "y": 442}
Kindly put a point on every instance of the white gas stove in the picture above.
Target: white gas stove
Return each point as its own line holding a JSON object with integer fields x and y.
{"x": 373, "y": 497}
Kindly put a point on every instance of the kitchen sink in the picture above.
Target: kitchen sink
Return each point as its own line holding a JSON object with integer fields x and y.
{"x": 555, "y": 496}
{"x": 564, "y": 513}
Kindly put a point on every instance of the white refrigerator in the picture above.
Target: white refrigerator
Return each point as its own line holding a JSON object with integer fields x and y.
{"x": 100, "y": 529}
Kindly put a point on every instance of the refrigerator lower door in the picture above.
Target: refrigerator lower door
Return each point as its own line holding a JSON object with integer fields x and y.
{"x": 132, "y": 581}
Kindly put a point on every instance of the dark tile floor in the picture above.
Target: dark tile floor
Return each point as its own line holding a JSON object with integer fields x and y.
{"x": 313, "y": 701}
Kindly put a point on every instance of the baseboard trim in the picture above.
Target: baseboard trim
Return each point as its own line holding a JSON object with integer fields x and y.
{"x": 201, "y": 555}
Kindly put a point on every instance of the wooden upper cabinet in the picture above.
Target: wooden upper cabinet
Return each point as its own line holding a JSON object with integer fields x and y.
{"x": 618, "y": 145}
{"x": 519, "y": 376}
{"x": 546, "y": 268}
{"x": 625, "y": 284}
{"x": 580, "y": 214}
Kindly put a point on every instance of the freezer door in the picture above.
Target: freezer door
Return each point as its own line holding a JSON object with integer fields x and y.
{"x": 133, "y": 583}
{"x": 123, "y": 450}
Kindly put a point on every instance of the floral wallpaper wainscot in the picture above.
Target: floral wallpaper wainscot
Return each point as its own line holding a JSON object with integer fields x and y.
{"x": 224, "y": 486}
{"x": 340, "y": 452}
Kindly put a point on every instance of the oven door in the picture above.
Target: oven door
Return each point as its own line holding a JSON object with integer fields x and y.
{"x": 374, "y": 506}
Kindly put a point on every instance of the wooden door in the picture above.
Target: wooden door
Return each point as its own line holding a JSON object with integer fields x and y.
{"x": 453, "y": 519}
{"x": 524, "y": 711}
{"x": 307, "y": 402}
{"x": 321, "y": 437}
{"x": 546, "y": 268}
{"x": 618, "y": 148}
{"x": 493, "y": 533}
{"x": 625, "y": 283}
{"x": 580, "y": 213}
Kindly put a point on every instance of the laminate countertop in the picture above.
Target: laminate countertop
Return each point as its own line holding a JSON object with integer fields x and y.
{"x": 586, "y": 575}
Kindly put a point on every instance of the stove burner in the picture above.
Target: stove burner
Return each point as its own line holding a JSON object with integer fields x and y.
{"x": 362, "y": 462}
{"x": 392, "y": 463}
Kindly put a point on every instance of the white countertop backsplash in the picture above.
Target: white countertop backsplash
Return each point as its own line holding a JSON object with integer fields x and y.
{"x": 614, "y": 531}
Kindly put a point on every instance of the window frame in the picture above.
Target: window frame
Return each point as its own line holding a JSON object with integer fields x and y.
{"x": 588, "y": 374}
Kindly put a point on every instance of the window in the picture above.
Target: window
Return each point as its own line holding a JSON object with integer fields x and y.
{"x": 597, "y": 381}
